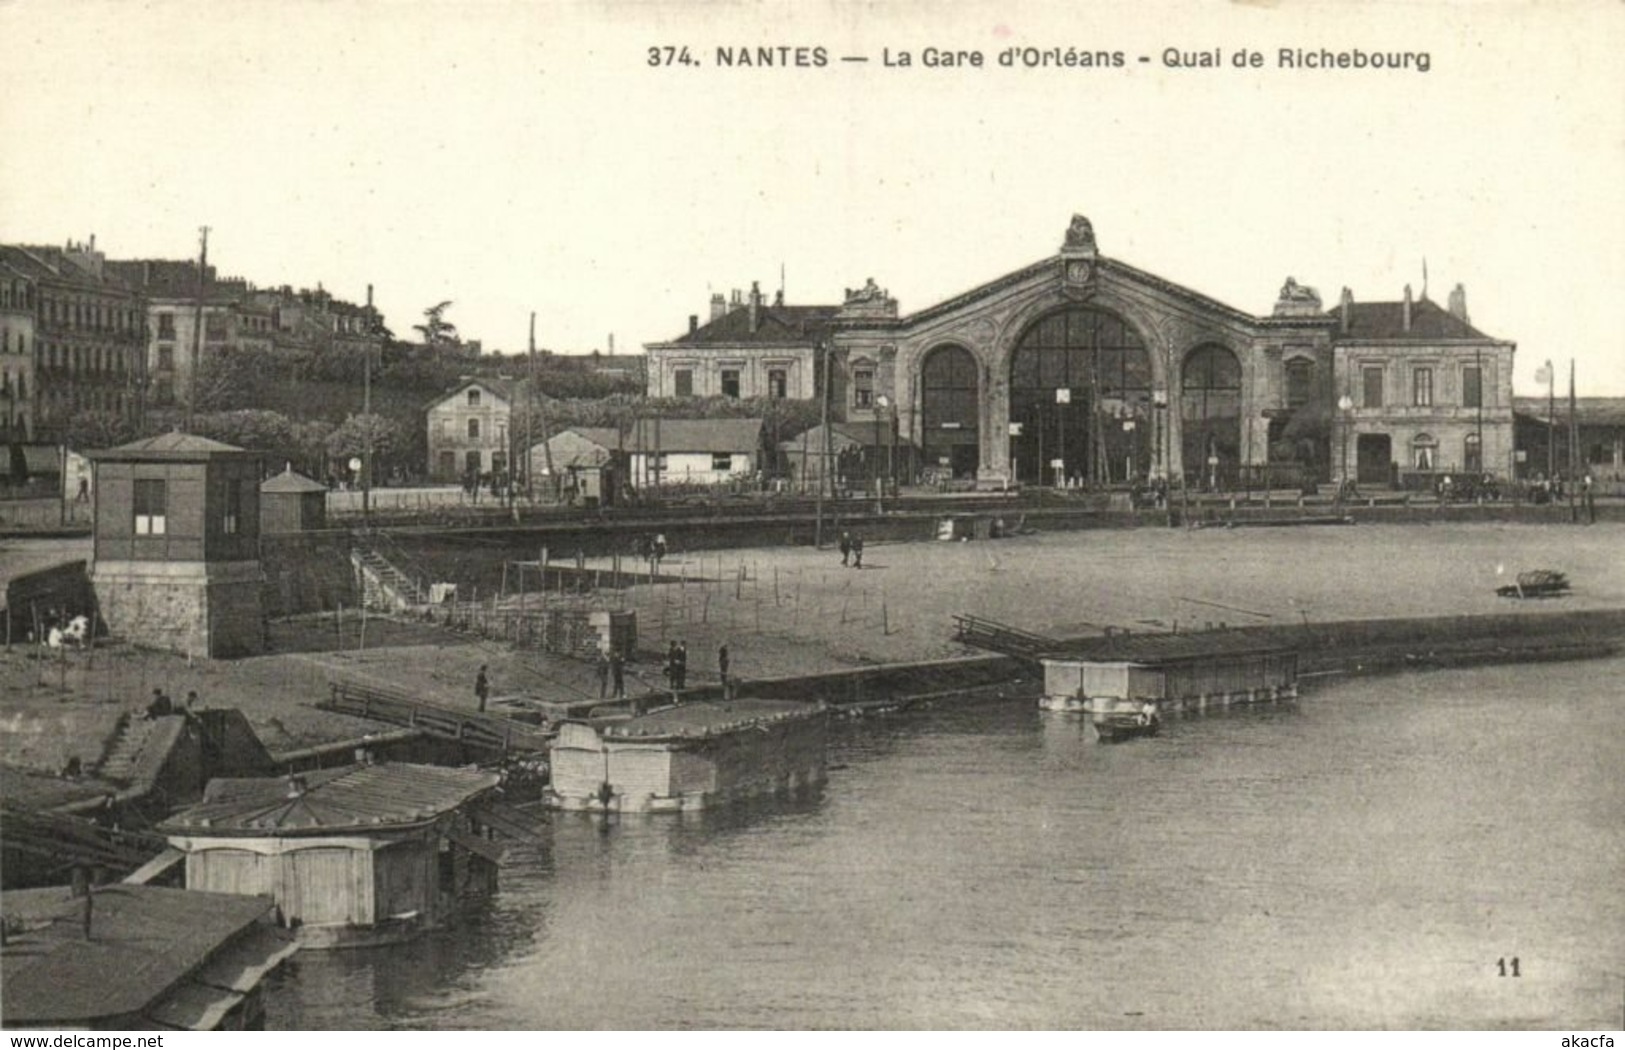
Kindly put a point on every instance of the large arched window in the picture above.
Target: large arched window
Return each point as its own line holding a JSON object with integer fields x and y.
{"x": 949, "y": 409}
{"x": 1472, "y": 459}
{"x": 1080, "y": 391}
{"x": 1424, "y": 452}
{"x": 1210, "y": 387}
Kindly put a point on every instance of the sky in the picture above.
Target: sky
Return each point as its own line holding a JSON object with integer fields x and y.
{"x": 527, "y": 157}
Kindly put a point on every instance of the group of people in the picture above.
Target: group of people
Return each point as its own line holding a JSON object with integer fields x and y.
{"x": 852, "y": 550}
{"x": 611, "y": 670}
{"x": 652, "y": 549}
{"x": 161, "y": 705}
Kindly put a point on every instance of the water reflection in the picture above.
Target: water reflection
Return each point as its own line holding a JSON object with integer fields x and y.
{"x": 1359, "y": 858}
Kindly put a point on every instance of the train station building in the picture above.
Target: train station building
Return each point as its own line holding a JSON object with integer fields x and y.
{"x": 1083, "y": 369}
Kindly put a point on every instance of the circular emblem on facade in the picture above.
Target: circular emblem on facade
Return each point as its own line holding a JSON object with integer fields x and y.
{"x": 1078, "y": 271}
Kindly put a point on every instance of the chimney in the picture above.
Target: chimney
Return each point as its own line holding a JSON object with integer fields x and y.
{"x": 1346, "y": 307}
{"x": 719, "y": 306}
{"x": 693, "y": 323}
{"x": 778, "y": 297}
{"x": 1458, "y": 303}
{"x": 755, "y": 305}
{"x": 1405, "y": 323}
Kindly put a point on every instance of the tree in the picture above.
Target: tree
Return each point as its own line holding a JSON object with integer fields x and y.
{"x": 389, "y": 438}
{"x": 436, "y": 330}
{"x": 93, "y": 429}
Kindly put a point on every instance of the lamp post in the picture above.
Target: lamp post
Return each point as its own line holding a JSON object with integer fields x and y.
{"x": 1159, "y": 407}
{"x": 882, "y": 403}
{"x": 1345, "y": 405}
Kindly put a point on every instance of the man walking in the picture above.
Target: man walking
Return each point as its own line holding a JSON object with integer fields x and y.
{"x": 603, "y": 674}
{"x": 722, "y": 668}
{"x": 857, "y": 552}
{"x": 682, "y": 665}
{"x": 482, "y": 686}
{"x": 846, "y": 546}
{"x": 616, "y": 673}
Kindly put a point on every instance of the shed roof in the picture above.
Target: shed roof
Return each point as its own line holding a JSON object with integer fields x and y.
{"x": 171, "y": 446}
{"x": 291, "y": 480}
{"x": 677, "y": 435}
{"x": 1151, "y": 648}
{"x": 706, "y": 718}
{"x": 348, "y": 798}
{"x": 144, "y": 940}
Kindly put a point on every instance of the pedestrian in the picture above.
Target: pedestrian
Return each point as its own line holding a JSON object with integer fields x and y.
{"x": 682, "y": 665}
{"x": 1590, "y": 502}
{"x": 857, "y": 552}
{"x": 160, "y": 706}
{"x": 84, "y": 490}
{"x": 660, "y": 550}
{"x": 617, "y": 673}
{"x": 722, "y": 667}
{"x": 846, "y": 546}
{"x": 671, "y": 665}
{"x": 482, "y": 686}
{"x": 603, "y": 674}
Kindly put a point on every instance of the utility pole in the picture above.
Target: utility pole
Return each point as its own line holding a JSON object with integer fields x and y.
{"x": 530, "y": 398}
{"x": 823, "y": 467}
{"x": 197, "y": 324}
{"x": 366, "y": 422}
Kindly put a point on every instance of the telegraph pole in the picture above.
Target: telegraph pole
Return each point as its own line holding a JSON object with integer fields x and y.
{"x": 366, "y": 423}
{"x": 197, "y": 324}
{"x": 530, "y": 396}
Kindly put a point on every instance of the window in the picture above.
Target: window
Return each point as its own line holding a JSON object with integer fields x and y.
{"x": 1300, "y": 382}
{"x": 682, "y": 382}
{"x": 730, "y": 382}
{"x": 778, "y": 383}
{"x": 1373, "y": 387}
{"x": 1472, "y": 387}
{"x": 231, "y": 518}
{"x": 149, "y": 499}
{"x": 722, "y": 461}
{"x": 214, "y": 327}
{"x": 473, "y": 428}
{"x": 165, "y": 391}
{"x": 473, "y": 402}
{"x": 166, "y": 358}
{"x": 442, "y": 429}
{"x": 1422, "y": 387}
{"x": 1423, "y": 449}
{"x": 863, "y": 388}
{"x": 1472, "y": 459}
{"x": 166, "y": 325}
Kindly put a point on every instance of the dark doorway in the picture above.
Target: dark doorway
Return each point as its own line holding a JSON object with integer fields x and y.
{"x": 1374, "y": 458}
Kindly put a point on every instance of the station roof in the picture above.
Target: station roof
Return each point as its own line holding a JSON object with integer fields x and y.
{"x": 144, "y": 941}
{"x": 346, "y": 799}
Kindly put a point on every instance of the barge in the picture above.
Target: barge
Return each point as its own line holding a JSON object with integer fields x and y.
{"x": 689, "y": 756}
{"x": 1175, "y": 671}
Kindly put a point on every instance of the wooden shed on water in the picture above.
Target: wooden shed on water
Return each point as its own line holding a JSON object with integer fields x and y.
{"x": 137, "y": 957}
{"x": 355, "y": 855}
{"x": 689, "y": 756}
{"x": 1175, "y": 670}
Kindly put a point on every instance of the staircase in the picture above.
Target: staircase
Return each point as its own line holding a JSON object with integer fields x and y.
{"x": 123, "y": 755}
{"x": 383, "y": 586}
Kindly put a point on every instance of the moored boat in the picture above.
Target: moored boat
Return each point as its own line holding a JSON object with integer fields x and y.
{"x": 1114, "y": 729}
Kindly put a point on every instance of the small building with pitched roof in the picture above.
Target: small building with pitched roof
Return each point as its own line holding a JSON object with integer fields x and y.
{"x": 363, "y": 854}
{"x": 177, "y": 544}
{"x": 656, "y": 452}
{"x": 291, "y": 502}
{"x": 137, "y": 957}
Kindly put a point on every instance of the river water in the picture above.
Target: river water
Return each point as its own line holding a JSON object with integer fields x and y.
{"x": 1366, "y": 857}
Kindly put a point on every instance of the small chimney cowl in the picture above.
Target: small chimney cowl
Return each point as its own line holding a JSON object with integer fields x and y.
{"x": 1406, "y": 319}
{"x": 693, "y": 323}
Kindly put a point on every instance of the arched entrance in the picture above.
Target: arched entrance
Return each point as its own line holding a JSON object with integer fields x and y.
{"x": 949, "y": 399}
{"x": 1210, "y": 394}
{"x": 1080, "y": 393}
